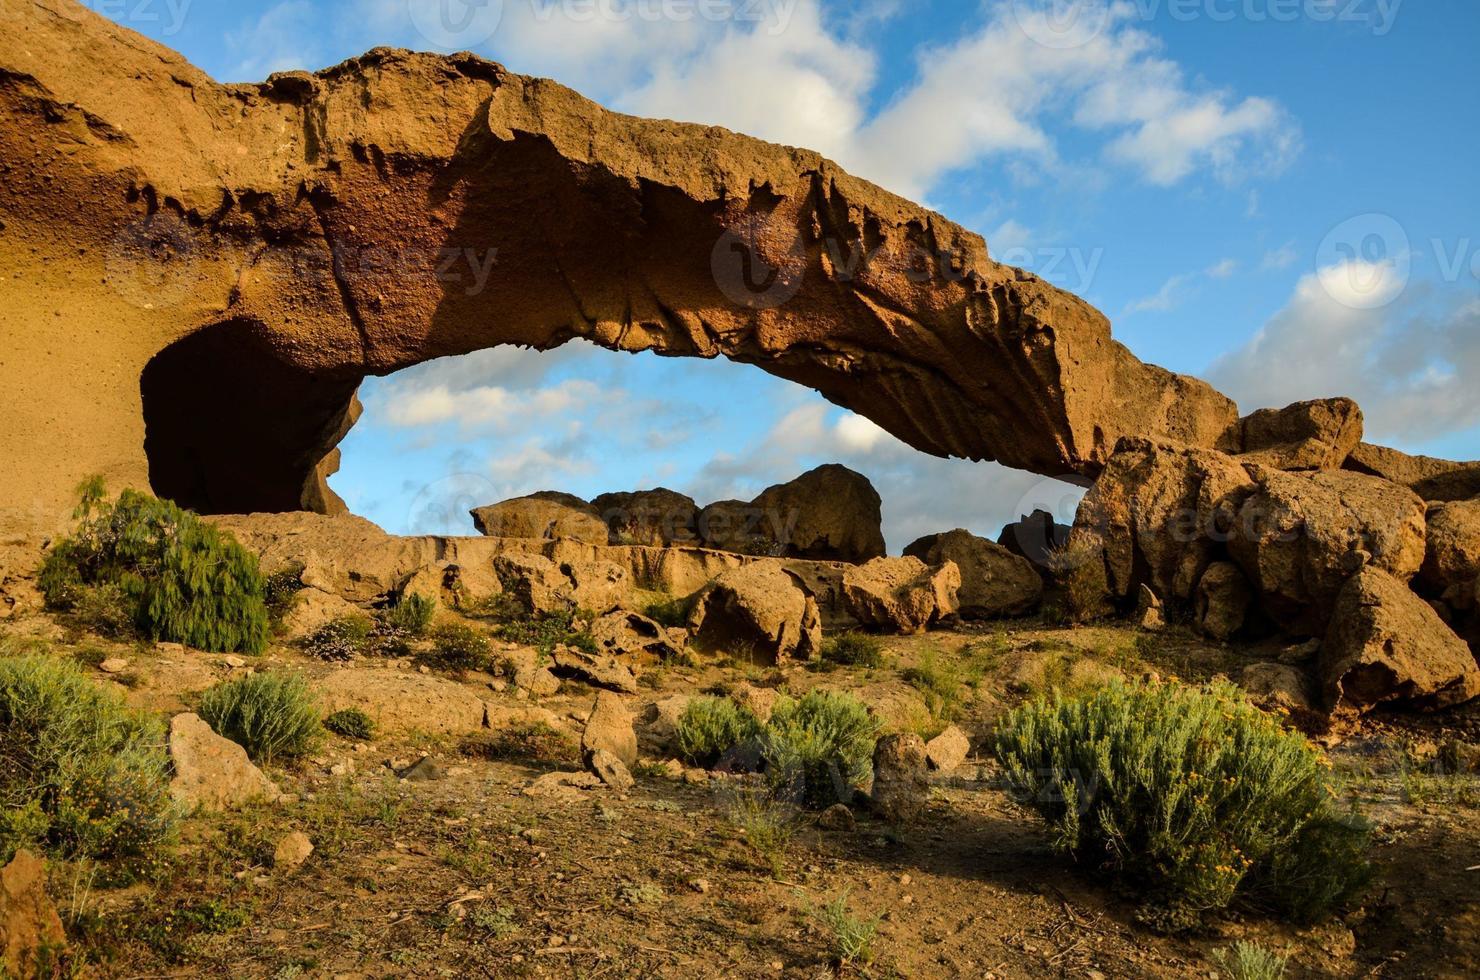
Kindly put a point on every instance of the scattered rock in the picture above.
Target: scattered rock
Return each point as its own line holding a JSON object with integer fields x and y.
{"x": 610, "y": 770}
{"x": 1313, "y": 435}
{"x": 629, "y": 634}
{"x": 562, "y": 785}
{"x": 658, "y": 518}
{"x": 1150, "y": 613}
{"x": 948, "y": 750}
{"x": 542, "y": 516}
{"x": 1451, "y": 567}
{"x": 759, "y": 701}
{"x": 662, "y": 717}
{"x": 212, "y": 774}
{"x": 1223, "y": 600}
{"x": 603, "y": 671}
{"x": 609, "y": 728}
{"x": 995, "y": 583}
{"x": 1286, "y": 690}
{"x": 903, "y": 595}
{"x": 901, "y": 784}
{"x": 1387, "y": 645}
{"x": 838, "y": 818}
{"x": 30, "y": 929}
{"x": 292, "y": 851}
{"x": 113, "y": 665}
{"x": 423, "y": 770}
{"x": 538, "y": 681}
{"x": 400, "y": 702}
{"x": 1298, "y": 536}
{"x": 758, "y": 611}
{"x": 828, "y": 514}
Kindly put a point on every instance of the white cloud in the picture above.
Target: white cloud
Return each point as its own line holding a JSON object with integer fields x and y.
{"x": 1407, "y": 355}
{"x": 1172, "y": 294}
{"x": 282, "y": 39}
{"x": 1281, "y": 258}
{"x": 1222, "y": 270}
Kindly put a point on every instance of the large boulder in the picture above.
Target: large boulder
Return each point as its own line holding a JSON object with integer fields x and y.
{"x": 1300, "y": 537}
{"x": 902, "y": 595}
{"x": 828, "y": 514}
{"x": 1223, "y": 600}
{"x": 543, "y": 516}
{"x": 31, "y": 934}
{"x": 1161, "y": 512}
{"x": 400, "y": 702}
{"x": 994, "y": 581}
{"x": 1435, "y": 480}
{"x": 1313, "y": 435}
{"x": 541, "y": 585}
{"x": 901, "y": 786}
{"x": 212, "y": 773}
{"x": 658, "y": 518}
{"x": 1036, "y": 537}
{"x": 609, "y": 728}
{"x": 757, "y": 611}
{"x": 1386, "y": 645}
{"x": 1451, "y": 568}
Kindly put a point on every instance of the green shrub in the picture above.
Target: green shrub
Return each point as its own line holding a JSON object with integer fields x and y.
{"x": 1190, "y": 794}
{"x": 341, "y": 640}
{"x": 280, "y": 592}
{"x": 1077, "y": 573}
{"x": 942, "y": 682}
{"x": 81, "y": 775}
{"x": 184, "y": 580}
{"x": 768, "y": 824}
{"x": 851, "y": 938}
{"x": 547, "y": 631}
{"x": 459, "y": 647}
{"x": 106, "y": 610}
{"x": 411, "y": 615}
{"x": 272, "y": 716}
{"x": 710, "y": 727}
{"x": 533, "y": 743}
{"x": 351, "y": 723}
{"x": 854, "y": 650}
{"x": 819, "y": 748}
{"x": 1250, "y": 961}
{"x": 667, "y": 610}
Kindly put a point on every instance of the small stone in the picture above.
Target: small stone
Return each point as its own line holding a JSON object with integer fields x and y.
{"x": 234, "y": 662}
{"x": 113, "y": 665}
{"x": 423, "y": 771}
{"x": 292, "y": 851}
{"x": 838, "y": 817}
{"x": 611, "y": 771}
{"x": 699, "y": 885}
{"x": 948, "y": 750}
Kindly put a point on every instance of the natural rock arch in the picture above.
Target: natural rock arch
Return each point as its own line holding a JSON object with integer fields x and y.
{"x": 227, "y": 262}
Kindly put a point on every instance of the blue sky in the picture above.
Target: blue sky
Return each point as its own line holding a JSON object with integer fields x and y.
{"x": 1277, "y": 195}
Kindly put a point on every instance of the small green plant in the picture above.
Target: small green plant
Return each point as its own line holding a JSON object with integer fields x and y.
{"x": 851, "y": 938}
{"x": 767, "y": 824}
{"x": 711, "y": 727}
{"x": 667, "y": 610}
{"x": 1077, "y": 573}
{"x": 942, "y": 682}
{"x": 351, "y": 723}
{"x": 81, "y": 774}
{"x": 546, "y": 631}
{"x": 460, "y": 647}
{"x": 272, "y": 716}
{"x": 1190, "y": 794}
{"x": 1250, "y": 961}
{"x": 854, "y": 650}
{"x": 341, "y": 640}
{"x": 106, "y": 609}
{"x": 280, "y": 592}
{"x": 411, "y": 615}
{"x": 819, "y": 748}
{"x": 184, "y": 580}
{"x": 532, "y": 743}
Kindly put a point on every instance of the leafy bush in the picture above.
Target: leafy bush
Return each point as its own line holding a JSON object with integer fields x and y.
{"x": 458, "y": 646}
{"x": 270, "y": 715}
{"x": 547, "y": 631}
{"x": 411, "y": 615}
{"x": 106, "y": 610}
{"x": 81, "y": 775}
{"x": 1250, "y": 961}
{"x": 536, "y": 743}
{"x": 1190, "y": 794}
{"x": 184, "y": 580}
{"x": 341, "y": 640}
{"x": 942, "y": 682}
{"x": 667, "y": 610}
{"x": 819, "y": 748}
{"x": 711, "y": 727}
{"x": 1077, "y": 573}
{"x": 852, "y": 938}
{"x": 768, "y": 824}
{"x": 351, "y": 723}
{"x": 854, "y": 650}
{"x": 280, "y": 591}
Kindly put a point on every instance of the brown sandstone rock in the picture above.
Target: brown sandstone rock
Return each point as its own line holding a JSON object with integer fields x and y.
{"x": 1435, "y": 480}
{"x": 757, "y": 611}
{"x": 31, "y": 933}
{"x": 541, "y": 586}
{"x": 994, "y": 581}
{"x": 612, "y": 772}
{"x": 1386, "y": 645}
{"x": 1313, "y": 435}
{"x": 629, "y": 634}
{"x": 400, "y": 702}
{"x": 543, "y": 516}
{"x": 902, "y": 595}
{"x": 609, "y": 729}
{"x": 1223, "y": 600}
{"x": 1300, "y": 537}
{"x": 1160, "y": 511}
{"x": 313, "y": 608}
{"x": 828, "y": 514}
{"x": 212, "y": 773}
{"x": 946, "y": 751}
{"x": 292, "y": 851}
{"x": 1286, "y": 690}
{"x": 601, "y": 671}
{"x": 901, "y": 783}
{"x": 259, "y": 249}
{"x": 1451, "y": 567}
{"x": 657, "y": 518}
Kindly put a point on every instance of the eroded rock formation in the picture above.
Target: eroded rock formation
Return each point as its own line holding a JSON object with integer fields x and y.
{"x": 200, "y": 275}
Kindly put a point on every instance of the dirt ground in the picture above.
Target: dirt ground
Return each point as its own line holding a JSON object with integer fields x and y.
{"x": 467, "y": 876}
